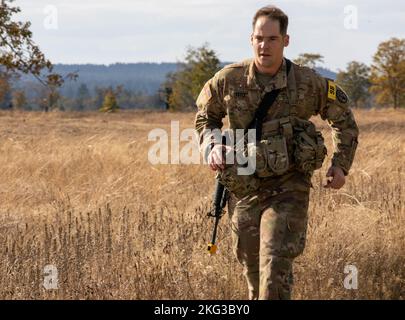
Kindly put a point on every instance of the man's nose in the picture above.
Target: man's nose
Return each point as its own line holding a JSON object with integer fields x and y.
{"x": 264, "y": 44}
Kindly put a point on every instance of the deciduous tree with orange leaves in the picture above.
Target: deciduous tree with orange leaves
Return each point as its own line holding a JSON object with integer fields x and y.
{"x": 388, "y": 73}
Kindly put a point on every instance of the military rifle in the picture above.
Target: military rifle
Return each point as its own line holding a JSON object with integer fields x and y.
{"x": 219, "y": 203}
{"x": 220, "y": 199}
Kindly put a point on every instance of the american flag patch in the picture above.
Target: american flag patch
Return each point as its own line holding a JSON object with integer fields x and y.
{"x": 207, "y": 92}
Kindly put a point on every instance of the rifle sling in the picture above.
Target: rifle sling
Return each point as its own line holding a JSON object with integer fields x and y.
{"x": 264, "y": 107}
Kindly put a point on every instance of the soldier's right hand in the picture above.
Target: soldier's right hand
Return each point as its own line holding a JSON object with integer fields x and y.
{"x": 217, "y": 158}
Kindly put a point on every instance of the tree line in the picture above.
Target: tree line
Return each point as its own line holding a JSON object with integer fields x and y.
{"x": 382, "y": 84}
{"x": 379, "y": 85}
{"x": 80, "y": 97}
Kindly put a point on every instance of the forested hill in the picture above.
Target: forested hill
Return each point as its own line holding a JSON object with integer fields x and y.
{"x": 144, "y": 78}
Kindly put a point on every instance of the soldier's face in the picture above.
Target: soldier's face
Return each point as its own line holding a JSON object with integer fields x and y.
{"x": 268, "y": 43}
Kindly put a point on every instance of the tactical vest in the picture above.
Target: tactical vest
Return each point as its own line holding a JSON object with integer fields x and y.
{"x": 289, "y": 141}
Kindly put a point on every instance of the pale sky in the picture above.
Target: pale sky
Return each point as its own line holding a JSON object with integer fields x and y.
{"x": 105, "y": 32}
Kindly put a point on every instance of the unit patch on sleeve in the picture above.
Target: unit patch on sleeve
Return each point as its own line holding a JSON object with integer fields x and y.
{"x": 341, "y": 96}
{"x": 331, "y": 90}
{"x": 207, "y": 92}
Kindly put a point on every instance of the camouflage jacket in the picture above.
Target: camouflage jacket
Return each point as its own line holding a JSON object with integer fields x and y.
{"x": 235, "y": 91}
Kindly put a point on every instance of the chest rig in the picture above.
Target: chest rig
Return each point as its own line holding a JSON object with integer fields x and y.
{"x": 285, "y": 140}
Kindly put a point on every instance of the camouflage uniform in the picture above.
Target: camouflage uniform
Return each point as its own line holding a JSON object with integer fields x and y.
{"x": 269, "y": 225}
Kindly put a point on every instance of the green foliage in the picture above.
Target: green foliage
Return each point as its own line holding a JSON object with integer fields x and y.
{"x": 110, "y": 103}
{"x": 355, "y": 81}
{"x": 83, "y": 96}
{"x": 309, "y": 59}
{"x": 19, "y": 100}
{"x": 182, "y": 88}
{"x": 5, "y": 90}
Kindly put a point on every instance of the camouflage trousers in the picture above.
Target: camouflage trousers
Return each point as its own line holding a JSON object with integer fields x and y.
{"x": 268, "y": 232}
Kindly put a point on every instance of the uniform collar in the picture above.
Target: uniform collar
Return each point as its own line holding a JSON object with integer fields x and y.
{"x": 279, "y": 80}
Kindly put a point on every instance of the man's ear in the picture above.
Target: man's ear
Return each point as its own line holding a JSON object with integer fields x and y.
{"x": 251, "y": 39}
{"x": 286, "y": 40}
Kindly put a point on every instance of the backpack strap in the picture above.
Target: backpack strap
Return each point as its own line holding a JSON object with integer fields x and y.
{"x": 264, "y": 107}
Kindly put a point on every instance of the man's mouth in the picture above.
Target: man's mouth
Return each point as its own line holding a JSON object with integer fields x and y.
{"x": 264, "y": 55}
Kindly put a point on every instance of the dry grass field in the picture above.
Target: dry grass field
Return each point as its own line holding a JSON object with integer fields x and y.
{"x": 77, "y": 192}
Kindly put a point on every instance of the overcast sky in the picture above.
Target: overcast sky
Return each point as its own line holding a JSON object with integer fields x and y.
{"x": 104, "y": 32}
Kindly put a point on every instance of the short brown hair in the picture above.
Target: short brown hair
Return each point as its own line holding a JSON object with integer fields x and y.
{"x": 274, "y": 13}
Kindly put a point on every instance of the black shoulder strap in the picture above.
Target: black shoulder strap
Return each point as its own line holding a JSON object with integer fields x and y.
{"x": 264, "y": 107}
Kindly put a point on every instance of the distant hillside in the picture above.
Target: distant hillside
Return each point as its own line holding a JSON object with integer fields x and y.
{"x": 144, "y": 78}
{"x": 138, "y": 77}
{"x": 326, "y": 73}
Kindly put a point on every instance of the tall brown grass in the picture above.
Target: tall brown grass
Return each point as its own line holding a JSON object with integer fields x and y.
{"x": 77, "y": 191}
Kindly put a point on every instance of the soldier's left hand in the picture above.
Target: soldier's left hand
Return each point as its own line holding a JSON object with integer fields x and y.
{"x": 338, "y": 178}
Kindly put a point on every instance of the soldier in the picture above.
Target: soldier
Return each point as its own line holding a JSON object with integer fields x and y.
{"x": 268, "y": 210}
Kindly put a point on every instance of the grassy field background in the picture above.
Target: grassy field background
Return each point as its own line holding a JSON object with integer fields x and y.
{"x": 77, "y": 192}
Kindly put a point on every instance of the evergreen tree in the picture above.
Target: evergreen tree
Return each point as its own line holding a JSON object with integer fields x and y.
{"x": 82, "y": 97}
{"x": 110, "y": 103}
{"x": 5, "y": 91}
